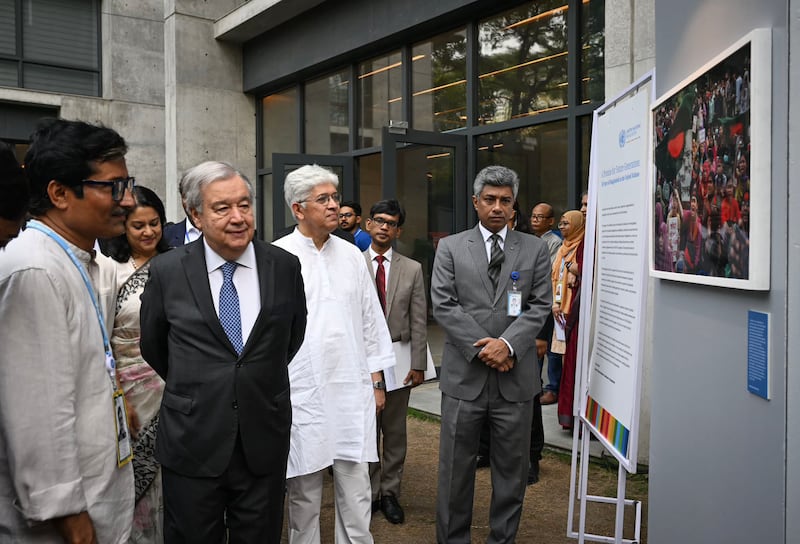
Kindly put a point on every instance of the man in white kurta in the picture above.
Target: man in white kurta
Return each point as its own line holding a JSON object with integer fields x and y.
{"x": 57, "y": 446}
{"x": 335, "y": 377}
{"x": 59, "y": 479}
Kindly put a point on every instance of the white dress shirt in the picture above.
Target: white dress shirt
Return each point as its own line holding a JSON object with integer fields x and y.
{"x": 245, "y": 279}
{"x": 192, "y": 232}
{"x": 487, "y": 239}
{"x": 387, "y": 264}
{"x": 487, "y": 242}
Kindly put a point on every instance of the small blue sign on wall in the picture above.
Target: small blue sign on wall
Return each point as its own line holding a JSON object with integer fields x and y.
{"x": 758, "y": 353}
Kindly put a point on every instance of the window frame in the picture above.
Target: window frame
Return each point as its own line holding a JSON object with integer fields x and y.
{"x": 19, "y": 56}
{"x": 574, "y": 111}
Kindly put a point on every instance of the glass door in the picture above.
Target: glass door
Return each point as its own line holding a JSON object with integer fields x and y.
{"x": 426, "y": 172}
{"x": 283, "y": 163}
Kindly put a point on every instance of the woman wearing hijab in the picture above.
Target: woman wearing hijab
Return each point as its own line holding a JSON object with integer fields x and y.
{"x": 566, "y": 277}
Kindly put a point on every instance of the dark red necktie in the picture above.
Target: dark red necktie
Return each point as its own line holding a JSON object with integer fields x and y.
{"x": 380, "y": 281}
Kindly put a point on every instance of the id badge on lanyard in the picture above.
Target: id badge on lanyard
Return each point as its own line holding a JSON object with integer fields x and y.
{"x": 514, "y": 303}
{"x": 124, "y": 447}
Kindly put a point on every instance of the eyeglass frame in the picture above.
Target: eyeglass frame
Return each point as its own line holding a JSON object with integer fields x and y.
{"x": 118, "y": 186}
{"x": 380, "y": 221}
{"x": 540, "y": 217}
{"x": 346, "y": 215}
{"x": 323, "y": 199}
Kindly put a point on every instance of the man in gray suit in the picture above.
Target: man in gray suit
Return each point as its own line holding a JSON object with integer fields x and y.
{"x": 401, "y": 292}
{"x": 221, "y": 318}
{"x": 491, "y": 293}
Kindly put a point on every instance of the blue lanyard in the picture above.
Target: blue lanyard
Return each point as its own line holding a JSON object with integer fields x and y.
{"x": 41, "y": 227}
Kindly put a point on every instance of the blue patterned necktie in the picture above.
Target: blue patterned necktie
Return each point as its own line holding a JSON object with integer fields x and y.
{"x": 229, "y": 314}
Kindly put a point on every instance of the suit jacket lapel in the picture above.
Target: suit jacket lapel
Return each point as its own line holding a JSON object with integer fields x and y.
{"x": 266, "y": 272}
{"x": 194, "y": 265}
{"x": 395, "y": 270}
{"x": 477, "y": 248}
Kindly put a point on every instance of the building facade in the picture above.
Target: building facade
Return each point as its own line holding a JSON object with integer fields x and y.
{"x": 410, "y": 99}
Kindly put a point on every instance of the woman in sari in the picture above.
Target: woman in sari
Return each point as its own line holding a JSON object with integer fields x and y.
{"x": 566, "y": 276}
{"x": 143, "y": 388}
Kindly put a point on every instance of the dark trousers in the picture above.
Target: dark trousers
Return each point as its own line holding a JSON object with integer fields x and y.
{"x": 197, "y": 510}
{"x": 458, "y": 445}
{"x": 537, "y": 434}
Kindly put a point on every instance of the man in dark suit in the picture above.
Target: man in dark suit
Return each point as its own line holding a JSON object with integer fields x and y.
{"x": 491, "y": 293}
{"x": 401, "y": 292}
{"x": 221, "y": 319}
{"x": 182, "y": 232}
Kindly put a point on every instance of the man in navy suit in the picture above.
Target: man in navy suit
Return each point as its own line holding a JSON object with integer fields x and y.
{"x": 490, "y": 291}
{"x": 221, "y": 318}
{"x": 182, "y": 232}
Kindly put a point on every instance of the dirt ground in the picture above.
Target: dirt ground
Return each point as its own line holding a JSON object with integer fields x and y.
{"x": 544, "y": 515}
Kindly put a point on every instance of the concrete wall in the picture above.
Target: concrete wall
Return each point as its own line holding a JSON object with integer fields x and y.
{"x": 718, "y": 453}
{"x": 206, "y": 114}
{"x": 630, "y": 42}
{"x": 133, "y": 87}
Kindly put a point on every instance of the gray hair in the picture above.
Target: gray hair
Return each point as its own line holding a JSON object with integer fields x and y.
{"x": 197, "y": 177}
{"x": 496, "y": 176}
{"x": 298, "y": 184}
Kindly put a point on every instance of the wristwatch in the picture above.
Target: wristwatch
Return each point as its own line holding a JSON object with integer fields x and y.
{"x": 380, "y": 384}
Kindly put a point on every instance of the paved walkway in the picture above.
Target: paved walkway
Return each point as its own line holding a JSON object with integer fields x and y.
{"x": 427, "y": 398}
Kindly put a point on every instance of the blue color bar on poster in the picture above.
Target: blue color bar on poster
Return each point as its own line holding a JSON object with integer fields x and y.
{"x": 758, "y": 353}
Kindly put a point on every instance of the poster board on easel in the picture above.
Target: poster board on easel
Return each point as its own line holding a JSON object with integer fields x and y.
{"x": 614, "y": 276}
{"x": 617, "y": 262}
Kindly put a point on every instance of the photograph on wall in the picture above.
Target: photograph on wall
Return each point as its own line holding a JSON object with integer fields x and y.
{"x": 711, "y": 173}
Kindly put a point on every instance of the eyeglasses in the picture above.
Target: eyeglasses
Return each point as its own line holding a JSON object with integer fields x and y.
{"x": 346, "y": 215}
{"x": 323, "y": 199}
{"x": 539, "y": 217}
{"x": 380, "y": 221}
{"x": 118, "y": 186}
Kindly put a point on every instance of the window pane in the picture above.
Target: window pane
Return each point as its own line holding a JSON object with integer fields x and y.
{"x": 380, "y": 86}
{"x": 60, "y": 80}
{"x": 522, "y": 61}
{"x": 279, "y": 116}
{"x": 265, "y": 230}
{"x": 586, "y": 147}
{"x": 592, "y": 46}
{"x": 8, "y": 28}
{"x": 439, "y": 82}
{"x": 538, "y": 155}
{"x": 370, "y": 180}
{"x": 8, "y": 73}
{"x": 327, "y": 114}
{"x": 61, "y": 32}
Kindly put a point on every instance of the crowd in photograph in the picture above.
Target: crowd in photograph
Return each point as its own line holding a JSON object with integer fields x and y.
{"x": 702, "y": 189}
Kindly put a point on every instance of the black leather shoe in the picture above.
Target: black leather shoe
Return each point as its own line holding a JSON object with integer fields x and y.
{"x": 482, "y": 461}
{"x": 533, "y": 473}
{"x": 376, "y": 505}
{"x": 391, "y": 509}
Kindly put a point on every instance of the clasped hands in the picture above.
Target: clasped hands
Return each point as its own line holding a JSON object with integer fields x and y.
{"x": 495, "y": 354}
